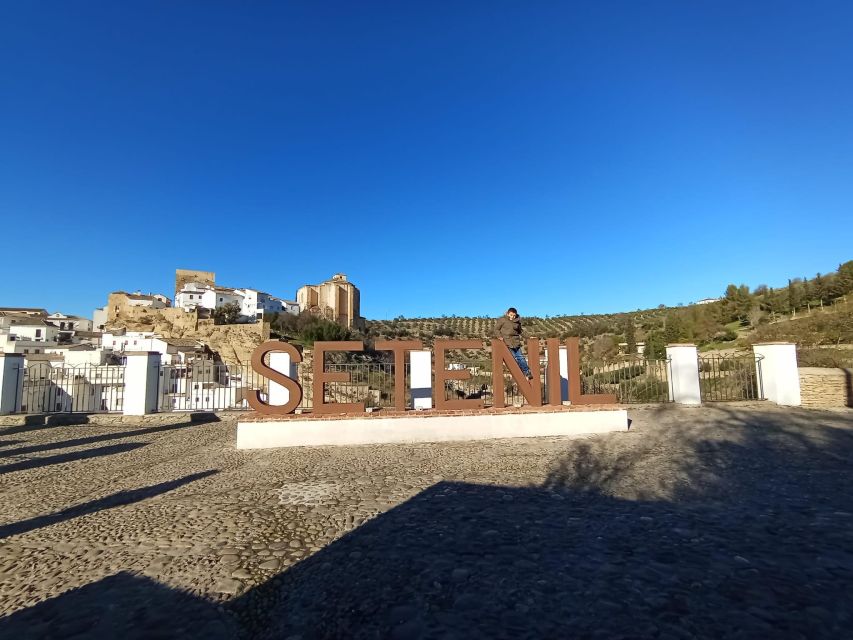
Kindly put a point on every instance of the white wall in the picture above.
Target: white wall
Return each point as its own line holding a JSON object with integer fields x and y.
{"x": 192, "y": 296}
{"x": 35, "y": 332}
{"x": 11, "y": 345}
{"x": 99, "y": 318}
{"x": 70, "y": 323}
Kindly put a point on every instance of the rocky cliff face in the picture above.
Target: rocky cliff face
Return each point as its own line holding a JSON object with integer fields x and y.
{"x": 233, "y": 343}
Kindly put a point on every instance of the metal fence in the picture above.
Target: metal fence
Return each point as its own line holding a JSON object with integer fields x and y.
{"x": 730, "y": 377}
{"x": 220, "y": 387}
{"x": 207, "y": 386}
{"x": 480, "y": 384}
{"x": 86, "y": 388}
{"x": 632, "y": 379}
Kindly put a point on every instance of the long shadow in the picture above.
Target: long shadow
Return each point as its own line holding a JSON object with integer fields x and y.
{"x": 848, "y": 379}
{"x": 45, "y": 421}
{"x": 108, "y": 502}
{"x": 9, "y": 443}
{"x": 35, "y": 463}
{"x": 123, "y": 606}
{"x": 76, "y": 442}
{"x": 745, "y": 531}
{"x": 23, "y": 428}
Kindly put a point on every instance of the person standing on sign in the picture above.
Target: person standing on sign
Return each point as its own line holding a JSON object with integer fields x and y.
{"x": 508, "y": 329}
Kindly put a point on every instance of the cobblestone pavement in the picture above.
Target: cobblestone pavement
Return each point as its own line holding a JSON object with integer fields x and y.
{"x": 733, "y": 521}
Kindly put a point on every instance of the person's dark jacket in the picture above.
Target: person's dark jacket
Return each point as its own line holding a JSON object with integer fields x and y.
{"x": 509, "y": 331}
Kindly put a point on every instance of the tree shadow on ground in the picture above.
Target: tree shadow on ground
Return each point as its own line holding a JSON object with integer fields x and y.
{"x": 77, "y": 442}
{"x": 741, "y": 528}
{"x": 38, "y": 421}
{"x": 749, "y": 535}
{"x": 108, "y": 502}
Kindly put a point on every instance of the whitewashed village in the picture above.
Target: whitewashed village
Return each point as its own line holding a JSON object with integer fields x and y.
{"x": 77, "y": 364}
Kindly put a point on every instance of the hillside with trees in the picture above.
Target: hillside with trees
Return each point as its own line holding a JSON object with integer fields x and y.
{"x": 809, "y": 311}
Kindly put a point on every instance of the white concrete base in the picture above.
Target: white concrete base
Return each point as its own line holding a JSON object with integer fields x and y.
{"x": 351, "y": 431}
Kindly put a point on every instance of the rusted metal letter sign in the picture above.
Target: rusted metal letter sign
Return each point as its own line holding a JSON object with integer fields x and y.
{"x": 501, "y": 357}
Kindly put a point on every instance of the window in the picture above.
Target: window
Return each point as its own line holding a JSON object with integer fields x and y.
{"x": 38, "y": 333}
{"x": 220, "y": 299}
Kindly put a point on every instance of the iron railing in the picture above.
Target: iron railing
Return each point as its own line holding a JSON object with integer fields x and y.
{"x": 480, "y": 384}
{"x": 730, "y": 377}
{"x": 632, "y": 379}
{"x": 85, "y": 388}
{"x": 222, "y": 387}
{"x": 207, "y": 386}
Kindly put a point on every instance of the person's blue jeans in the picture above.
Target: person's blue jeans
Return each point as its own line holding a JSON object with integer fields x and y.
{"x": 516, "y": 353}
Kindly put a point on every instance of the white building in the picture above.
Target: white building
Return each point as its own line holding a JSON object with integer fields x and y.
{"x": 99, "y": 318}
{"x": 195, "y": 294}
{"x": 26, "y": 333}
{"x": 257, "y": 303}
{"x": 75, "y": 355}
{"x": 70, "y": 326}
{"x": 171, "y": 350}
{"x": 149, "y": 300}
{"x": 24, "y": 311}
{"x": 290, "y": 306}
{"x": 253, "y": 303}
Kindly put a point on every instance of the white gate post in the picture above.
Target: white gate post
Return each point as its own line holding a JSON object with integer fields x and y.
{"x": 141, "y": 379}
{"x": 421, "y": 378}
{"x": 684, "y": 374}
{"x": 779, "y": 376}
{"x": 11, "y": 382}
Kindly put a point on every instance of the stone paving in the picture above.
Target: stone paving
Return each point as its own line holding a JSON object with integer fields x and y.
{"x": 734, "y": 521}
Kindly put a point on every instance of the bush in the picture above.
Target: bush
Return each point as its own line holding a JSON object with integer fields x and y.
{"x": 831, "y": 358}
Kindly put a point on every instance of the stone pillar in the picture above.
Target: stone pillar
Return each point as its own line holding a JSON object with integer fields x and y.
{"x": 684, "y": 374}
{"x": 281, "y": 361}
{"x": 778, "y": 375}
{"x": 420, "y": 373}
{"x": 11, "y": 382}
{"x": 141, "y": 379}
{"x": 564, "y": 375}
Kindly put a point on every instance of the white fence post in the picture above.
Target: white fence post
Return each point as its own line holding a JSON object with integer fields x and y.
{"x": 141, "y": 379}
{"x": 421, "y": 378}
{"x": 684, "y": 374}
{"x": 280, "y": 361}
{"x": 780, "y": 379}
{"x": 11, "y": 382}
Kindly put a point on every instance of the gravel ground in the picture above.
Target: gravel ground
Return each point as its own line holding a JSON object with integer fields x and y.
{"x": 733, "y": 521}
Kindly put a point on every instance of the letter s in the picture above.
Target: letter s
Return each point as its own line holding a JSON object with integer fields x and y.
{"x": 293, "y": 387}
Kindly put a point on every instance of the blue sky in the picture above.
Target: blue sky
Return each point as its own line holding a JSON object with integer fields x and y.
{"x": 451, "y": 157}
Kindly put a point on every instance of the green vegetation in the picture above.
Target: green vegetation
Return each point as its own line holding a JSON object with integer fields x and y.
{"x": 306, "y": 328}
{"x": 807, "y": 311}
{"x": 227, "y": 314}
